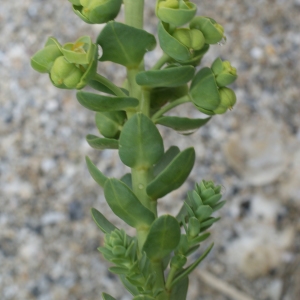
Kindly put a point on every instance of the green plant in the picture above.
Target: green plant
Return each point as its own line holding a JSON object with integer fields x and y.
{"x": 127, "y": 117}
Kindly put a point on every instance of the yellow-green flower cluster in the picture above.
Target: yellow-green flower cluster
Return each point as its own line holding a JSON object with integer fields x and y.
{"x": 70, "y": 66}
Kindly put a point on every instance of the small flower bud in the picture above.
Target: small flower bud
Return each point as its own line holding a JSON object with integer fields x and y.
{"x": 81, "y": 52}
{"x": 43, "y": 60}
{"x": 224, "y": 73}
{"x": 193, "y": 39}
{"x": 169, "y": 4}
{"x": 70, "y": 66}
{"x": 212, "y": 31}
{"x": 228, "y": 99}
{"x": 96, "y": 11}
{"x": 178, "y": 261}
{"x": 175, "y": 12}
{"x": 64, "y": 74}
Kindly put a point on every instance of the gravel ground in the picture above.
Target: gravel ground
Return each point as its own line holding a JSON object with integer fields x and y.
{"x": 47, "y": 238}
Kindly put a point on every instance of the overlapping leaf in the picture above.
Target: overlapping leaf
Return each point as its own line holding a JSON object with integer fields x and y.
{"x": 126, "y": 205}
{"x": 125, "y": 45}
{"x": 97, "y": 102}
{"x": 163, "y": 238}
{"x": 140, "y": 143}
{"x": 169, "y": 77}
{"x": 173, "y": 176}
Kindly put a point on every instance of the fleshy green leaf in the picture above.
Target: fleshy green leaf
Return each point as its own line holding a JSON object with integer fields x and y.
{"x": 43, "y": 60}
{"x": 97, "y": 102}
{"x": 203, "y": 212}
{"x": 125, "y": 45}
{"x": 192, "y": 267}
{"x": 100, "y": 87}
{"x": 205, "y": 225}
{"x": 160, "y": 96}
{"x": 110, "y": 123}
{"x": 169, "y": 77}
{"x": 101, "y": 143}
{"x": 130, "y": 287}
{"x": 118, "y": 270}
{"x": 127, "y": 179}
{"x": 219, "y": 206}
{"x": 107, "y": 297}
{"x": 197, "y": 57}
{"x": 182, "y": 125}
{"x": 172, "y": 46}
{"x": 163, "y": 238}
{"x": 191, "y": 250}
{"x": 140, "y": 143}
{"x": 95, "y": 172}
{"x": 204, "y": 91}
{"x": 165, "y": 159}
{"x": 181, "y": 214}
{"x": 126, "y": 205}
{"x": 173, "y": 176}
{"x": 179, "y": 291}
{"x": 200, "y": 238}
{"x": 213, "y": 200}
{"x": 102, "y": 222}
{"x": 166, "y": 261}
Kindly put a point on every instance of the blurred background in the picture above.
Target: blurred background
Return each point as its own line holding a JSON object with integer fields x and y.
{"x": 48, "y": 240}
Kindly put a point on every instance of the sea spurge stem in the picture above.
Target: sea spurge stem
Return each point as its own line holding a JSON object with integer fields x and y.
{"x": 126, "y": 118}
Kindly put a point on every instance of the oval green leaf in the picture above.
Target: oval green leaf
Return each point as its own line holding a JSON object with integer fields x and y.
{"x": 163, "y": 238}
{"x": 169, "y": 77}
{"x": 126, "y": 205}
{"x": 100, "y": 87}
{"x": 104, "y": 225}
{"x": 171, "y": 46}
{"x": 173, "y": 176}
{"x": 101, "y": 143}
{"x": 130, "y": 287}
{"x": 127, "y": 179}
{"x": 107, "y": 297}
{"x": 192, "y": 267}
{"x": 96, "y": 102}
{"x": 179, "y": 291}
{"x": 165, "y": 160}
{"x": 183, "y": 125}
{"x": 204, "y": 90}
{"x": 95, "y": 172}
{"x": 110, "y": 123}
{"x": 140, "y": 143}
{"x": 125, "y": 45}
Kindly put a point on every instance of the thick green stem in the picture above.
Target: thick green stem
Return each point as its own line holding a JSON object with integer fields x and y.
{"x": 171, "y": 105}
{"x": 134, "y": 89}
{"x": 160, "y": 278}
{"x": 140, "y": 180}
{"x": 145, "y": 102}
{"x": 141, "y": 235}
{"x": 163, "y": 60}
{"x": 134, "y": 13}
{"x": 170, "y": 278}
{"x": 116, "y": 90}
